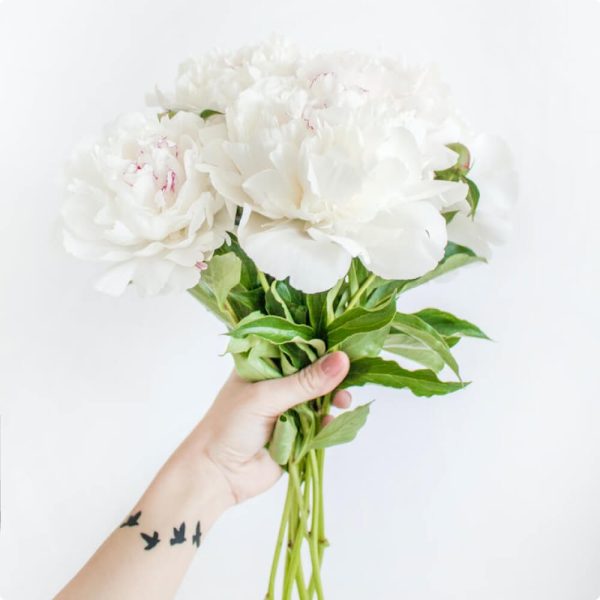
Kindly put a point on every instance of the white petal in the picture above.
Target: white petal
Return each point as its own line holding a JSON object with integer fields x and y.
{"x": 286, "y": 250}
{"x": 116, "y": 279}
{"x": 273, "y": 194}
{"x": 406, "y": 242}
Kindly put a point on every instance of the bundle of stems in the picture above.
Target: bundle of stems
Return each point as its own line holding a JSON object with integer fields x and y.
{"x": 302, "y": 521}
{"x": 276, "y": 330}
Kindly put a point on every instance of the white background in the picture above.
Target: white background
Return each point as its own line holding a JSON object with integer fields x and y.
{"x": 492, "y": 493}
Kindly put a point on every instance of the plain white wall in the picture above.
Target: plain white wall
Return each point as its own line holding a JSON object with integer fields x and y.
{"x": 490, "y": 493}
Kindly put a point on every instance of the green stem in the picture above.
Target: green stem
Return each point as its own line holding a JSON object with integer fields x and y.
{"x": 282, "y": 527}
{"x": 322, "y": 538}
{"x": 231, "y": 313}
{"x": 315, "y": 529}
{"x": 263, "y": 281}
{"x": 293, "y": 468}
{"x": 361, "y": 290}
{"x": 294, "y": 561}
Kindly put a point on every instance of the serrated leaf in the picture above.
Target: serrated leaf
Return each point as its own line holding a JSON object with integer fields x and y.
{"x": 359, "y": 320}
{"x": 448, "y": 325}
{"x": 342, "y": 429}
{"x": 422, "y": 382}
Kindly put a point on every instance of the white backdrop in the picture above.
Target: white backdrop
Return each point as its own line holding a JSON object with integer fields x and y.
{"x": 490, "y": 493}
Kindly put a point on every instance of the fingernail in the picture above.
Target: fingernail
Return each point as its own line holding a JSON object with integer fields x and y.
{"x": 332, "y": 364}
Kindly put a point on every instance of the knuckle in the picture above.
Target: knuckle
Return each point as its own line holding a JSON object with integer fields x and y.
{"x": 308, "y": 380}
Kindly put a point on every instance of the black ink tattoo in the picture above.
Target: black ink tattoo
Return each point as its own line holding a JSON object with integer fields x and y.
{"x": 151, "y": 541}
{"x": 178, "y": 535}
{"x": 196, "y": 536}
{"x": 132, "y": 520}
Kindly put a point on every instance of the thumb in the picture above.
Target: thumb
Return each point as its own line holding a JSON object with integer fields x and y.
{"x": 315, "y": 380}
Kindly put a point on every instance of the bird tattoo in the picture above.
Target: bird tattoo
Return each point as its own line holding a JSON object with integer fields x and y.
{"x": 196, "y": 536}
{"x": 178, "y": 535}
{"x": 151, "y": 540}
{"x": 132, "y": 520}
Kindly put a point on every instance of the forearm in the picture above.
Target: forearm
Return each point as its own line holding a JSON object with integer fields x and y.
{"x": 148, "y": 554}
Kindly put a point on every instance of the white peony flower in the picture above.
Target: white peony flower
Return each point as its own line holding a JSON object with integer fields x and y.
{"x": 325, "y": 172}
{"x": 215, "y": 80}
{"x": 494, "y": 174}
{"x": 136, "y": 199}
{"x": 418, "y": 94}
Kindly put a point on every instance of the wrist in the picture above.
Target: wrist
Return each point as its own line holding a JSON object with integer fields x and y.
{"x": 201, "y": 482}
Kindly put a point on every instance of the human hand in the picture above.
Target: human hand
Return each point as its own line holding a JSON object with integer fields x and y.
{"x": 234, "y": 431}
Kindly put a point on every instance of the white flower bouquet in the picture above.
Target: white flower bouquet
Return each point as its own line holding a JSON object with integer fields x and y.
{"x": 296, "y": 197}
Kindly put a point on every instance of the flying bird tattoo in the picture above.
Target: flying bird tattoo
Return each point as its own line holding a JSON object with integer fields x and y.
{"x": 132, "y": 520}
{"x": 196, "y": 536}
{"x": 178, "y": 535}
{"x": 151, "y": 541}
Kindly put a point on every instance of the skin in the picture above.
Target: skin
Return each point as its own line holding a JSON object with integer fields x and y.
{"x": 221, "y": 463}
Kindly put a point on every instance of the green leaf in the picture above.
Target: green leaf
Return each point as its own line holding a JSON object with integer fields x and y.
{"x": 420, "y": 330}
{"x": 472, "y": 196}
{"x": 408, "y": 347}
{"x": 317, "y": 311}
{"x": 448, "y": 216}
{"x": 384, "y": 290}
{"x": 209, "y": 112}
{"x": 249, "y": 276}
{"x": 222, "y": 275}
{"x": 458, "y": 171}
{"x": 204, "y": 295}
{"x": 463, "y": 162}
{"x": 356, "y": 275}
{"x": 330, "y": 299}
{"x": 282, "y": 442}
{"x": 342, "y": 429}
{"x": 253, "y": 356}
{"x": 254, "y": 368}
{"x": 359, "y": 320}
{"x": 365, "y": 344}
{"x": 376, "y": 370}
{"x": 448, "y": 325}
{"x": 455, "y": 256}
{"x": 273, "y": 329}
{"x": 166, "y": 113}
{"x": 285, "y": 301}
{"x": 245, "y": 302}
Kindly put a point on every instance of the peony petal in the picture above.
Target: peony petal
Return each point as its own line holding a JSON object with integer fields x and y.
{"x": 286, "y": 250}
{"x": 273, "y": 194}
{"x": 406, "y": 242}
{"x": 116, "y": 279}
